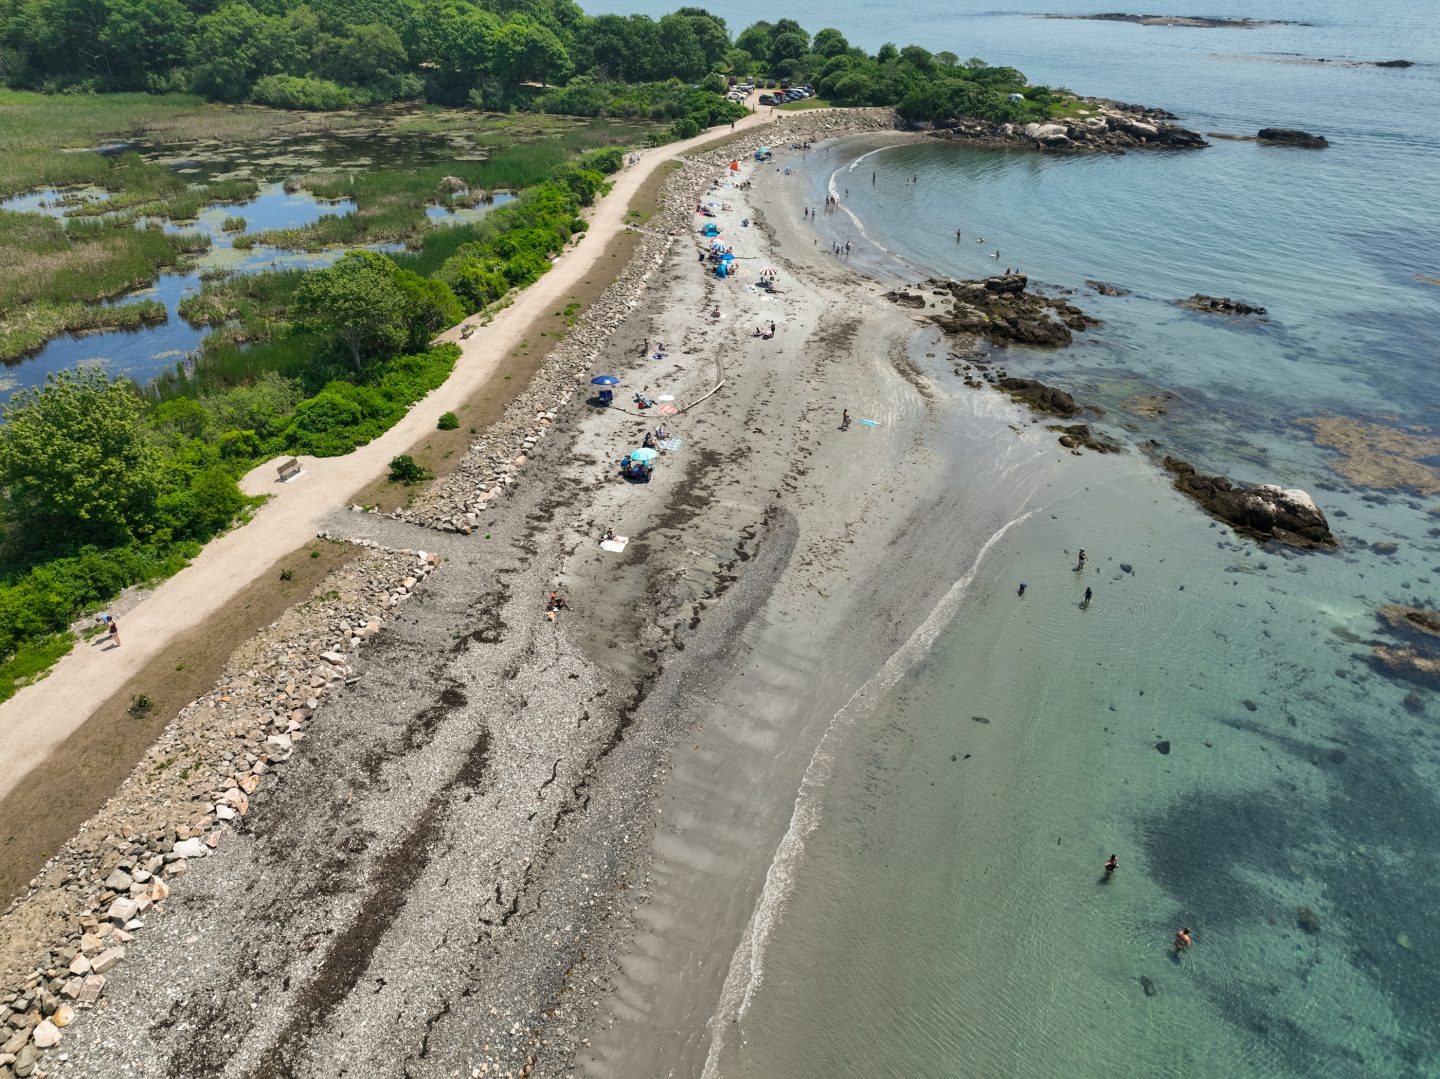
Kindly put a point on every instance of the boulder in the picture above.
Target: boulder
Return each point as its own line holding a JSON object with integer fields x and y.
{"x": 193, "y": 847}
{"x": 47, "y": 1035}
{"x": 1289, "y": 136}
{"x": 1267, "y": 513}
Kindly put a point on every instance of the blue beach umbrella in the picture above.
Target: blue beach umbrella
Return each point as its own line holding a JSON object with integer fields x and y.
{"x": 643, "y": 456}
{"x": 605, "y": 380}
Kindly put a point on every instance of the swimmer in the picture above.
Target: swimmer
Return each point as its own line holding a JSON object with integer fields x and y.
{"x": 1021, "y": 592}
{"x": 1111, "y": 864}
{"x": 1182, "y": 940}
{"x": 995, "y": 255}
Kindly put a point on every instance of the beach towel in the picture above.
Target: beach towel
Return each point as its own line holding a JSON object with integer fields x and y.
{"x": 670, "y": 445}
{"x": 617, "y": 544}
{"x": 871, "y": 423}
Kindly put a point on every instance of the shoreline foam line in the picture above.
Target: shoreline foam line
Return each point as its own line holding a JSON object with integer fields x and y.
{"x": 748, "y": 962}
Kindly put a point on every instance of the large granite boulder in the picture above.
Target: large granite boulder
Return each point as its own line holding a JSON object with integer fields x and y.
{"x": 1268, "y": 513}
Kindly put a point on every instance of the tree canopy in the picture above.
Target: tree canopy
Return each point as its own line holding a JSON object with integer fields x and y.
{"x": 326, "y": 54}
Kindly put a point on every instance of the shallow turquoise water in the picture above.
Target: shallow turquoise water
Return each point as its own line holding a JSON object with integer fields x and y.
{"x": 947, "y": 916}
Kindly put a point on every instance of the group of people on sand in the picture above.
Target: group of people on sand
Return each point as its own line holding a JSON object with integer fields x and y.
{"x": 763, "y": 333}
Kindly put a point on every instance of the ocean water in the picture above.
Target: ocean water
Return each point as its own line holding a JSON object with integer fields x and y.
{"x": 1215, "y": 716}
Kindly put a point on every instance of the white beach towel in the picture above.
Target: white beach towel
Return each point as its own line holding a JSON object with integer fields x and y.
{"x": 617, "y": 544}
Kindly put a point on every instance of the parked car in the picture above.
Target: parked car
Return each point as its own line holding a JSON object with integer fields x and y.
{"x": 767, "y": 99}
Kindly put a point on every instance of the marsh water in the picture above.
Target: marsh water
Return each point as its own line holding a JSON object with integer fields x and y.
{"x": 145, "y": 353}
{"x": 1215, "y": 716}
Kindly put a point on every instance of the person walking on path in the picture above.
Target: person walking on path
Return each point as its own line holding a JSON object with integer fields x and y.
{"x": 113, "y": 631}
{"x": 844, "y": 419}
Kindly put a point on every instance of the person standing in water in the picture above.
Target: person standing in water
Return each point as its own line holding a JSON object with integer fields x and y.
{"x": 1088, "y": 594}
{"x": 957, "y": 236}
{"x": 1021, "y": 591}
{"x": 1111, "y": 864}
{"x": 1182, "y": 940}
{"x": 1080, "y": 564}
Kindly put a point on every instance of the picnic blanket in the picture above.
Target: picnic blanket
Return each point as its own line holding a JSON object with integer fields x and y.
{"x": 617, "y": 544}
{"x": 670, "y": 445}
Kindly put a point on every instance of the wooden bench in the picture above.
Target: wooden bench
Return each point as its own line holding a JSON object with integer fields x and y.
{"x": 288, "y": 470}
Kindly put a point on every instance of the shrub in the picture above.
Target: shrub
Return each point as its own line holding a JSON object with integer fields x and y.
{"x": 234, "y": 224}
{"x": 404, "y": 469}
{"x": 448, "y": 422}
{"x": 291, "y": 92}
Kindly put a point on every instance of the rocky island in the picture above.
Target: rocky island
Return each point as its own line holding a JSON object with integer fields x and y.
{"x": 1202, "y": 22}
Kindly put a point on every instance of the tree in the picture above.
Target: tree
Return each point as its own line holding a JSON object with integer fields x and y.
{"x": 75, "y": 461}
{"x": 829, "y": 42}
{"x": 146, "y": 36}
{"x": 236, "y": 45}
{"x": 366, "y": 54}
{"x": 525, "y": 51}
{"x": 788, "y": 46}
{"x": 679, "y": 49}
{"x": 357, "y": 303}
{"x": 755, "y": 39}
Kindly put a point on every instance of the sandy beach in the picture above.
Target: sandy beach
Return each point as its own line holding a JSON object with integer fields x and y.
{"x": 513, "y": 846}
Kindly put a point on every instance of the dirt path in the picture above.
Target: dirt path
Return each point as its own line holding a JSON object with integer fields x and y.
{"x": 41, "y": 716}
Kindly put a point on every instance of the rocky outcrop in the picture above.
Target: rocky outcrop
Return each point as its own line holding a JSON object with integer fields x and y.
{"x": 1079, "y": 436}
{"x": 1040, "y": 397}
{"x": 1393, "y": 63}
{"x": 1001, "y": 310}
{"x": 1412, "y": 663}
{"x": 1287, "y": 136}
{"x": 1266, "y": 513}
{"x": 1220, "y": 305}
{"x": 1103, "y": 127}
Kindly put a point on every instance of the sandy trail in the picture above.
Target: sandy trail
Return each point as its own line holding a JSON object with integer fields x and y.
{"x": 41, "y": 716}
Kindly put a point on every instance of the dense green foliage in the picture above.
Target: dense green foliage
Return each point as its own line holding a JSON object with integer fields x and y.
{"x": 498, "y": 54}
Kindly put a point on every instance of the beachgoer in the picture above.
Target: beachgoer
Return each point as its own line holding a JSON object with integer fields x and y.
{"x": 957, "y": 236}
{"x": 1088, "y": 594}
{"x": 772, "y": 329}
{"x": 607, "y": 535}
{"x": 872, "y": 179}
{"x": 649, "y": 440}
{"x": 1081, "y": 563}
{"x": 844, "y": 419}
{"x": 847, "y": 249}
{"x": 662, "y": 435}
{"x": 113, "y": 631}
{"x": 1182, "y": 940}
{"x": 1022, "y": 589}
{"x": 805, "y": 212}
{"x": 1111, "y": 864}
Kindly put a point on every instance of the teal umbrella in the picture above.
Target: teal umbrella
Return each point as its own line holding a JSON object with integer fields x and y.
{"x": 643, "y": 456}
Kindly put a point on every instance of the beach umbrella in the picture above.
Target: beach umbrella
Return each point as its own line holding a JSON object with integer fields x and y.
{"x": 718, "y": 242}
{"x": 605, "y": 380}
{"x": 643, "y": 456}
{"x": 769, "y": 273}
{"x": 727, "y": 257}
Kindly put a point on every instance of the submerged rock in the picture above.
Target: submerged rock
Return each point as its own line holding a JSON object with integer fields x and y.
{"x": 1107, "y": 289}
{"x": 1147, "y": 985}
{"x": 1308, "y": 920}
{"x": 1220, "y": 305}
{"x": 1416, "y": 619}
{"x": 1289, "y": 136}
{"x": 1266, "y": 513}
{"x": 1163, "y": 747}
{"x": 1413, "y": 663}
